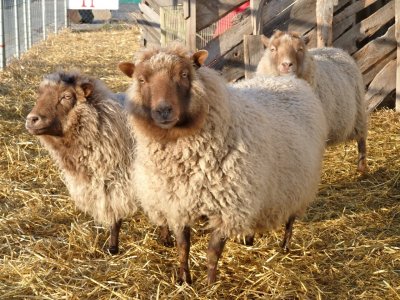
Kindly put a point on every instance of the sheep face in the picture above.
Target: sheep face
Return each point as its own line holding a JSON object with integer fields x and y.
{"x": 56, "y": 99}
{"x": 162, "y": 90}
{"x": 287, "y": 52}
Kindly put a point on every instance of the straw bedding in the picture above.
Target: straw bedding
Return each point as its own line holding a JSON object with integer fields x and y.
{"x": 346, "y": 247}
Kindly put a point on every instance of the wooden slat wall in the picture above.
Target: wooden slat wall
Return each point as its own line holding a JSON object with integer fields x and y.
{"x": 353, "y": 25}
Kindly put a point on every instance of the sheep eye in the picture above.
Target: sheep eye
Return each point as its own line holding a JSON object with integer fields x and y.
{"x": 272, "y": 49}
{"x": 66, "y": 97}
{"x": 141, "y": 80}
{"x": 184, "y": 74}
{"x": 300, "y": 49}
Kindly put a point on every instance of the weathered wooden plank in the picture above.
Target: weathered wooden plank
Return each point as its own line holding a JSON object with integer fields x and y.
{"x": 151, "y": 33}
{"x": 149, "y": 12}
{"x": 231, "y": 64}
{"x": 375, "y": 50}
{"x": 209, "y": 12}
{"x": 383, "y": 84}
{"x": 156, "y": 4}
{"x": 365, "y": 28}
{"x": 226, "y": 41}
{"x": 370, "y": 74}
{"x": 189, "y": 8}
{"x": 256, "y": 8}
{"x": 253, "y": 51}
{"x": 324, "y": 11}
{"x": 397, "y": 25}
{"x": 352, "y": 9}
{"x": 342, "y": 26}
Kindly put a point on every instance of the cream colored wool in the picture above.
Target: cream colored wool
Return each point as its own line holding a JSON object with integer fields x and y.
{"x": 338, "y": 82}
{"x": 100, "y": 148}
{"x": 254, "y": 163}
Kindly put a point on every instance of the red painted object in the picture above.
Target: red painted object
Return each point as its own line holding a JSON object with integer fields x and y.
{"x": 226, "y": 22}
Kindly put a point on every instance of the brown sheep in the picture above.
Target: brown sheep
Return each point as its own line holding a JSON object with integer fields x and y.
{"x": 80, "y": 122}
{"x": 247, "y": 157}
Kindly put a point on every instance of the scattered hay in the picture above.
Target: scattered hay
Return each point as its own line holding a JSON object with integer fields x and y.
{"x": 346, "y": 247}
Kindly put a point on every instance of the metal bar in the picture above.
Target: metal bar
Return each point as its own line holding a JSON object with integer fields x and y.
{"x": 2, "y": 39}
{"x": 16, "y": 29}
{"x": 55, "y": 17}
{"x": 44, "y": 18}
{"x": 25, "y": 25}
{"x": 29, "y": 24}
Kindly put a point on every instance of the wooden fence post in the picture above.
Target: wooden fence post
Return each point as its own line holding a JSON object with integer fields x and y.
{"x": 252, "y": 44}
{"x": 189, "y": 12}
{"x": 397, "y": 34}
{"x": 324, "y": 11}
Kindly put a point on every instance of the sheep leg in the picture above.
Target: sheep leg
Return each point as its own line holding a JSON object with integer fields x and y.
{"x": 183, "y": 244}
{"x": 214, "y": 251}
{"x": 288, "y": 234}
{"x": 114, "y": 237}
{"x": 165, "y": 237}
{"x": 362, "y": 150}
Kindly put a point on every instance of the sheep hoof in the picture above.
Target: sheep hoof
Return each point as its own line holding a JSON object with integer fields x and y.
{"x": 183, "y": 277}
{"x": 113, "y": 250}
{"x": 362, "y": 167}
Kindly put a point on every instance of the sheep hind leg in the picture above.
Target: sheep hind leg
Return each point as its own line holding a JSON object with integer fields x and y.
{"x": 214, "y": 251}
{"x": 114, "y": 237}
{"x": 288, "y": 234}
{"x": 183, "y": 245}
{"x": 362, "y": 156}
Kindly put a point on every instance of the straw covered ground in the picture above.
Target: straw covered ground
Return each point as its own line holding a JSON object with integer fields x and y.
{"x": 346, "y": 247}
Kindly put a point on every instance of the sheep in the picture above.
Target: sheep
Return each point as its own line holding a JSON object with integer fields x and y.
{"x": 247, "y": 157}
{"x": 84, "y": 128}
{"x": 334, "y": 76}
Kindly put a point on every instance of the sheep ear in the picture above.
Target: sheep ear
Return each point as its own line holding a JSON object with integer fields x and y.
{"x": 127, "y": 68}
{"x": 87, "y": 88}
{"x": 200, "y": 57}
{"x": 306, "y": 39}
{"x": 265, "y": 41}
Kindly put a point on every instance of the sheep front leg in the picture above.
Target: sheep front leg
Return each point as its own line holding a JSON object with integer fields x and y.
{"x": 183, "y": 244}
{"x": 214, "y": 251}
{"x": 165, "y": 237}
{"x": 362, "y": 156}
{"x": 288, "y": 234}
{"x": 114, "y": 237}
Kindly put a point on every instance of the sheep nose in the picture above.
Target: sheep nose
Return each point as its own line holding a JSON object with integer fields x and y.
{"x": 164, "y": 111}
{"x": 287, "y": 64}
{"x": 32, "y": 119}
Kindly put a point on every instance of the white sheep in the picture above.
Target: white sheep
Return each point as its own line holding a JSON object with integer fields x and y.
{"x": 80, "y": 122}
{"x": 334, "y": 76}
{"x": 247, "y": 157}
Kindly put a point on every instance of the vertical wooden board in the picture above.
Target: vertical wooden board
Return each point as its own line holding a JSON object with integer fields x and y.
{"x": 189, "y": 8}
{"x": 397, "y": 25}
{"x": 256, "y": 8}
{"x": 253, "y": 51}
{"x": 383, "y": 84}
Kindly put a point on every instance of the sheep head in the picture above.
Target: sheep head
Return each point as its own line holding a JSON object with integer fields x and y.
{"x": 287, "y": 52}
{"x": 161, "y": 95}
{"x": 58, "y": 94}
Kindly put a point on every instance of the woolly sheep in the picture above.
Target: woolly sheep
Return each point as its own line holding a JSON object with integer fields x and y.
{"x": 334, "y": 76}
{"x": 80, "y": 122}
{"x": 246, "y": 157}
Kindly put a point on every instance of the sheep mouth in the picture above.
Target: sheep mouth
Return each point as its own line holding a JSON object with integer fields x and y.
{"x": 167, "y": 124}
{"x": 37, "y": 131}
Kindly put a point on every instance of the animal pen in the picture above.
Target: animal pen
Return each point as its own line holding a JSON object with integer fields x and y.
{"x": 367, "y": 29}
{"x": 345, "y": 247}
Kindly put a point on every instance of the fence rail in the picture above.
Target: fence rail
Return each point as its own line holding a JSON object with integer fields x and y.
{"x": 26, "y": 22}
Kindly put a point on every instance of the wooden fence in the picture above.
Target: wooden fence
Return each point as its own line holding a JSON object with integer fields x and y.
{"x": 367, "y": 29}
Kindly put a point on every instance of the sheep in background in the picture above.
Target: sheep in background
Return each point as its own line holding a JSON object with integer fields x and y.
{"x": 334, "y": 76}
{"x": 80, "y": 122}
{"x": 247, "y": 157}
